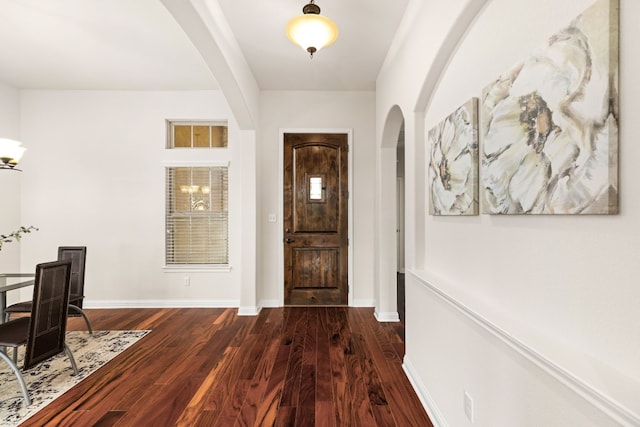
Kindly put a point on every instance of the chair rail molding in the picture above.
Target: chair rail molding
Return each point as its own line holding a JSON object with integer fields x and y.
{"x": 577, "y": 382}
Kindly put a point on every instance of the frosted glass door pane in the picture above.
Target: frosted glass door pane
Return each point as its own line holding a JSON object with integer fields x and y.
{"x": 315, "y": 188}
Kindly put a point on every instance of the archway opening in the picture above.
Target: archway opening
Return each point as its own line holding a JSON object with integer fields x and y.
{"x": 400, "y": 226}
{"x": 388, "y": 210}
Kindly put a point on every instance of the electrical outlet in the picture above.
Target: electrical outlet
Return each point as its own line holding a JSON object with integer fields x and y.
{"x": 186, "y": 280}
{"x": 468, "y": 406}
{"x": 271, "y": 217}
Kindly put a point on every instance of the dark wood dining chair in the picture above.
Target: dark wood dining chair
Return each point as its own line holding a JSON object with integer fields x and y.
{"x": 43, "y": 332}
{"x": 78, "y": 257}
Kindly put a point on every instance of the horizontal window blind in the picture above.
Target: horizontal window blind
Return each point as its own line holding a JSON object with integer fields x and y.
{"x": 197, "y": 215}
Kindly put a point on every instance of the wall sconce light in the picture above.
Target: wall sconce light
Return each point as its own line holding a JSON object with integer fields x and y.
{"x": 10, "y": 153}
{"x": 311, "y": 31}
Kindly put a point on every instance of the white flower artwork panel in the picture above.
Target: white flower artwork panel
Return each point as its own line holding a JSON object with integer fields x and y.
{"x": 550, "y": 125}
{"x": 453, "y": 163}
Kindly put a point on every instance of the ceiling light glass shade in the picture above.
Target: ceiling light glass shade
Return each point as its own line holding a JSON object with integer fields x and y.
{"x": 10, "y": 153}
{"x": 312, "y": 32}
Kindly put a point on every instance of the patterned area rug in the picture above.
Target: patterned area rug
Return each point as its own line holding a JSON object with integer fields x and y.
{"x": 51, "y": 378}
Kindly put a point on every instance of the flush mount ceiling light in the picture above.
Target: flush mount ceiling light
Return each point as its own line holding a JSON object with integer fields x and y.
{"x": 311, "y": 31}
{"x": 10, "y": 153}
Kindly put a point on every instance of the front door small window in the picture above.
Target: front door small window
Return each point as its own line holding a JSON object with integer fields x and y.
{"x": 315, "y": 188}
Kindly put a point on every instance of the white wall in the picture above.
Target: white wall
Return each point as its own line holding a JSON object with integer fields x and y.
{"x": 98, "y": 157}
{"x": 536, "y": 317}
{"x": 94, "y": 176}
{"x": 316, "y": 110}
{"x": 10, "y": 180}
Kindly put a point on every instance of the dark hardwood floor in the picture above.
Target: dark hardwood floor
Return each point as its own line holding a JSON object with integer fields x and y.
{"x": 299, "y": 366}
{"x": 401, "y": 302}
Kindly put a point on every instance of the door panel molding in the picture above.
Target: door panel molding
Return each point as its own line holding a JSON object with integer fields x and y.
{"x": 281, "y": 133}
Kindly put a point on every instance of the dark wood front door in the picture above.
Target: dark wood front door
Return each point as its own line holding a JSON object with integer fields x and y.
{"x": 315, "y": 219}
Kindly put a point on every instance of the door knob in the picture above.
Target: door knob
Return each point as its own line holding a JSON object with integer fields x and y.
{"x": 288, "y": 240}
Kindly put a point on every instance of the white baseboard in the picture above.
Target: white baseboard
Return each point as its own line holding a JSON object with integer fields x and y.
{"x": 270, "y": 303}
{"x": 423, "y": 394}
{"x": 161, "y": 304}
{"x": 242, "y": 311}
{"x": 363, "y": 303}
{"x": 249, "y": 311}
{"x": 389, "y": 316}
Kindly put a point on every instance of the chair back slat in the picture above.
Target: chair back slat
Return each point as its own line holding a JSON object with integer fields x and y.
{"x": 48, "y": 312}
{"x": 78, "y": 257}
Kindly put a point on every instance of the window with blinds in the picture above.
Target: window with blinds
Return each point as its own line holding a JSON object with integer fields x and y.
{"x": 197, "y": 216}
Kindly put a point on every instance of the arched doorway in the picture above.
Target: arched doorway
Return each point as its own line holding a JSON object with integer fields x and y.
{"x": 387, "y": 212}
{"x": 400, "y": 227}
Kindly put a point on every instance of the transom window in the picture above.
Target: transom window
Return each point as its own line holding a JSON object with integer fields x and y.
{"x": 183, "y": 134}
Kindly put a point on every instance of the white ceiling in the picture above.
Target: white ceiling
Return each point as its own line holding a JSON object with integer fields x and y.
{"x": 96, "y": 44}
{"x": 137, "y": 45}
{"x": 352, "y": 63}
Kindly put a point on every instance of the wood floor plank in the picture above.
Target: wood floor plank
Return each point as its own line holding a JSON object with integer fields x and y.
{"x": 405, "y": 411}
{"x": 375, "y": 391}
{"x": 286, "y": 417}
{"x": 308, "y": 373}
{"x": 265, "y": 352}
{"x": 302, "y": 366}
{"x": 291, "y": 390}
{"x": 206, "y": 396}
{"x": 258, "y": 387}
{"x": 233, "y": 387}
{"x": 110, "y": 419}
{"x": 338, "y": 349}
{"x": 268, "y": 410}
{"x": 163, "y": 403}
{"x": 307, "y": 399}
{"x": 325, "y": 414}
{"x": 362, "y": 413}
{"x": 324, "y": 388}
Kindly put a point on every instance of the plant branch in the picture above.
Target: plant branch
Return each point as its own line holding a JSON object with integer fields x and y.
{"x": 16, "y": 235}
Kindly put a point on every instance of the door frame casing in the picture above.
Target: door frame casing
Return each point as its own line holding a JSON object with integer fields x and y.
{"x": 281, "y": 132}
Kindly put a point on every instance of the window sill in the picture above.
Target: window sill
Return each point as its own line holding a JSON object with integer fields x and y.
{"x": 196, "y": 269}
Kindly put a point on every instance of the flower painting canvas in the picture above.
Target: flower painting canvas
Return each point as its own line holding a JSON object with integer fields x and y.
{"x": 550, "y": 125}
{"x": 453, "y": 163}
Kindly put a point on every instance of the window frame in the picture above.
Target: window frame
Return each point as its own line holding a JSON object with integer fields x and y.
{"x": 170, "y": 134}
{"x": 194, "y": 268}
